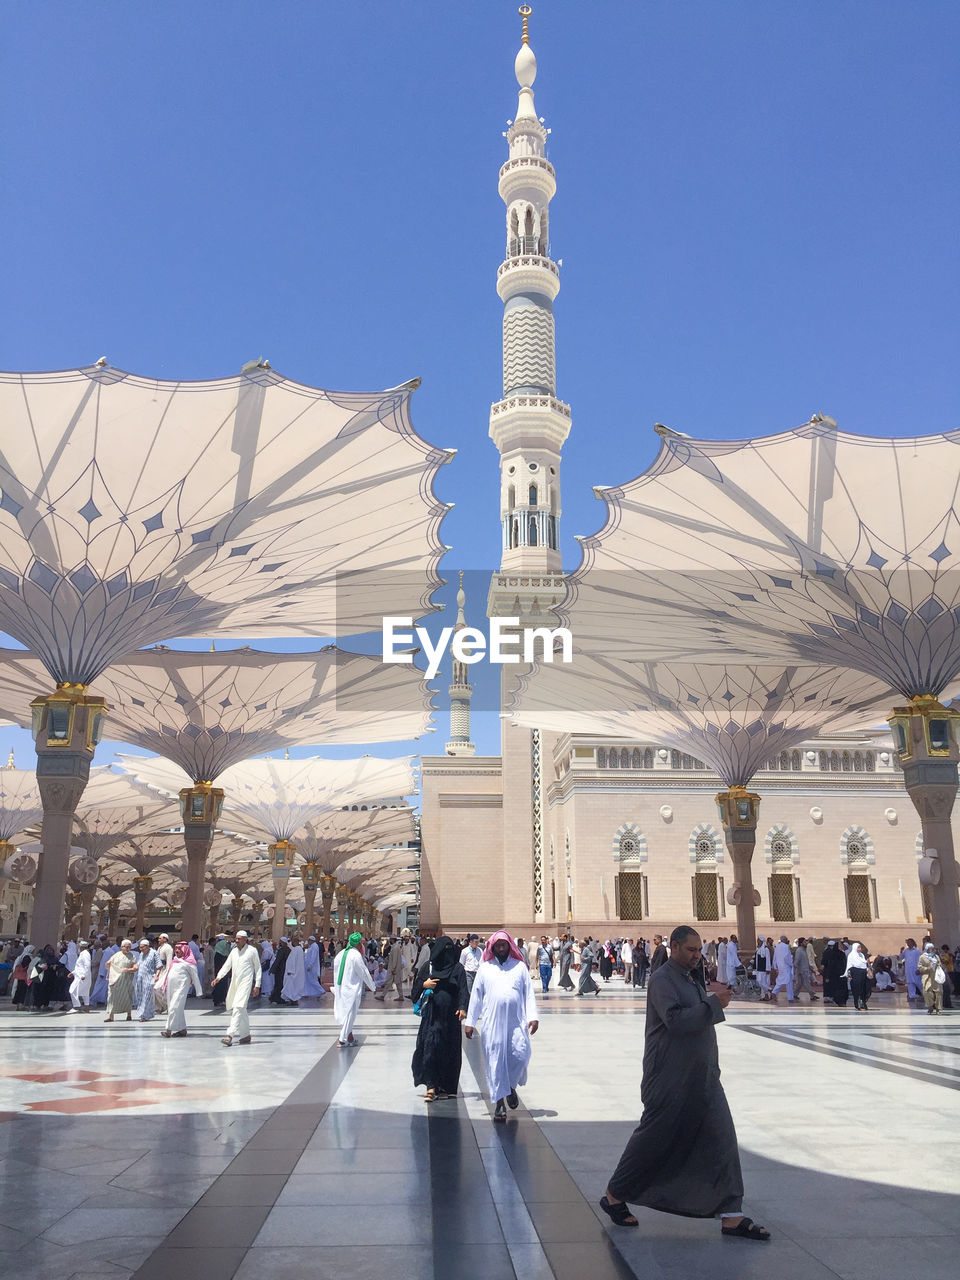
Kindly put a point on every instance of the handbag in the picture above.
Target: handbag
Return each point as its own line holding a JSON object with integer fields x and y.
{"x": 422, "y": 1001}
{"x": 939, "y": 975}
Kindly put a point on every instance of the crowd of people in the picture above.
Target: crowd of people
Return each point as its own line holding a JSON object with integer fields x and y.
{"x": 458, "y": 986}
{"x": 132, "y": 980}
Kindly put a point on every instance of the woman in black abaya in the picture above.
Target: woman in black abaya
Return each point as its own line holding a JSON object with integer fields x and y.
{"x": 436, "y": 1059}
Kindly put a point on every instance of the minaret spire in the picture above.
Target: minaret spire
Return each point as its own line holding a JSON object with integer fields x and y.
{"x": 460, "y": 693}
{"x": 529, "y": 424}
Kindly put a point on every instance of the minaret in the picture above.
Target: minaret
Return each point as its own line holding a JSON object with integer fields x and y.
{"x": 460, "y": 694}
{"x": 529, "y": 424}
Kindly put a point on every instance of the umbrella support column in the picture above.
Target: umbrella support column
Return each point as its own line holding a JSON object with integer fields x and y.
{"x": 739, "y": 810}
{"x": 925, "y": 734}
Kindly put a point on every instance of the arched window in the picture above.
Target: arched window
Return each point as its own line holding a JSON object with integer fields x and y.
{"x": 630, "y": 849}
{"x": 860, "y": 889}
{"x": 845, "y": 762}
{"x": 824, "y": 762}
{"x": 636, "y": 761}
{"x": 533, "y": 495}
{"x": 624, "y": 758}
{"x": 533, "y": 531}
{"x": 686, "y": 762}
{"x": 869, "y": 762}
{"x": 511, "y": 497}
{"x": 706, "y": 852}
{"x": 795, "y": 762}
{"x": 674, "y": 759}
{"x": 856, "y": 853}
{"x": 834, "y": 762}
{"x": 781, "y": 851}
{"x": 601, "y": 758}
{"x": 784, "y": 760}
{"x": 648, "y": 758}
{"x": 858, "y": 762}
{"x": 614, "y": 758}
{"x": 514, "y": 533}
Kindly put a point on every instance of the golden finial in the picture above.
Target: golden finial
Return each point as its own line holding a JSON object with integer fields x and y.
{"x": 10, "y": 764}
{"x": 286, "y": 753}
{"x": 525, "y": 12}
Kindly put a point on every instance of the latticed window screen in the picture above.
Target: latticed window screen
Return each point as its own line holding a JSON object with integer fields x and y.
{"x": 630, "y": 895}
{"x": 858, "y": 899}
{"x": 629, "y": 847}
{"x": 706, "y": 901}
{"x": 706, "y": 850}
{"x": 782, "y": 905}
{"x": 781, "y": 852}
{"x": 856, "y": 851}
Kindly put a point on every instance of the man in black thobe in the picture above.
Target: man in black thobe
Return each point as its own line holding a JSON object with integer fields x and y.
{"x": 279, "y": 969}
{"x": 683, "y": 1157}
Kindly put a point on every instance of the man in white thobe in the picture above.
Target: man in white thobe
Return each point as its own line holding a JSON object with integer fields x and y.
{"x": 194, "y": 945}
{"x": 311, "y": 969}
{"x": 733, "y": 960}
{"x": 722, "y": 961}
{"x": 502, "y": 1000}
{"x": 783, "y": 963}
{"x": 292, "y": 990}
{"x": 626, "y": 955}
{"x": 243, "y": 967}
{"x": 267, "y": 956}
{"x": 350, "y": 976}
{"x": 80, "y": 984}
{"x": 762, "y": 964}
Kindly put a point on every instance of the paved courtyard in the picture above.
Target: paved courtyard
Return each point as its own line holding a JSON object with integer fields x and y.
{"x": 123, "y": 1154}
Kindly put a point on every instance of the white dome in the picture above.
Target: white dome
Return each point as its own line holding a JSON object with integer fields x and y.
{"x": 525, "y": 67}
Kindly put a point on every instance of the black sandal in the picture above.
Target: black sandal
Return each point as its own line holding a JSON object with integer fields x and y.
{"x": 512, "y": 1100}
{"x": 500, "y": 1111}
{"x": 619, "y": 1214}
{"x": 746, "y": 1229}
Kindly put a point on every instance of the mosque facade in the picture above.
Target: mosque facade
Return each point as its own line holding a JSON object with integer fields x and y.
{"x": 606, "y": 836}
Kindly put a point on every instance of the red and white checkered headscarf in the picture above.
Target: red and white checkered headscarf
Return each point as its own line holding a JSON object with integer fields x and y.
{"x": 496, "y": 937}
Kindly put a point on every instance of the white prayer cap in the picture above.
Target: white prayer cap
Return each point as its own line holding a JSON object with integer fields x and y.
{"x": 241, "y": 933}
{"x": 284, "y": 938}
{"x": 163, "y": 935}
{"x": 82, "y": 943}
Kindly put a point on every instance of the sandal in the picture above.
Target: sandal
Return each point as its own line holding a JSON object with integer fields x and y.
{"x": 430, "y": 1095}
{"x": 500, "y": 1111}
{"x": 747, "y": 1229}
{"x": 619, "y": 1214}
{"x": 512, "y": 1100}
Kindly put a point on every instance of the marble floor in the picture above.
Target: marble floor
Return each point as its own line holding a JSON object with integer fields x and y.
{"x": 123, "y": 1154}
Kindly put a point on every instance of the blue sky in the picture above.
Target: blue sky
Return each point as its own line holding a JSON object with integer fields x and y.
{"x": 757, "y": 213}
